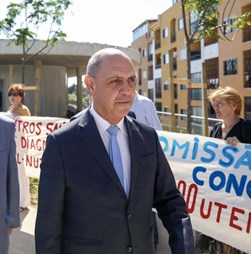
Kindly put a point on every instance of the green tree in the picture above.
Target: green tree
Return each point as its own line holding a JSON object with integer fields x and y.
{"x": 24, "y": 20}
{"x": 203, "y": 17}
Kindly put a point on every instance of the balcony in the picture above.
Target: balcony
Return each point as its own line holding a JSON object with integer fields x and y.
{"x": 157, "y": 44}
{"x": 247, "y": 34}
{"x": 195, "y": 56}
{"x": 173, "y": 37}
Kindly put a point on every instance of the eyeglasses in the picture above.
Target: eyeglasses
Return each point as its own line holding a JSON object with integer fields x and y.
{"x": 15, "y": 94}
{"x": 219, "y": 104}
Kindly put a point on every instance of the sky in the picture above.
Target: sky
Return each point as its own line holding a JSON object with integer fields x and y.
{"x": 107, "y": 22}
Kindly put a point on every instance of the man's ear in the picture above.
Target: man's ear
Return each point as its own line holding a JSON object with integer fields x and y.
{"x": 89, "y": 82}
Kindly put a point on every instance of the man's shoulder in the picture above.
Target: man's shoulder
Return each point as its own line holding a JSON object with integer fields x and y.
{"x": 73, "y": 124}
{"x": 139, "y": 125}
{"x": 79, "y": 114}
{"x": 6, "y": 120}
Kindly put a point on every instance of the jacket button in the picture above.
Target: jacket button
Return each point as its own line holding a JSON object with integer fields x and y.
{"x": 129, "y": 249}
{"x": 129, "y": 216}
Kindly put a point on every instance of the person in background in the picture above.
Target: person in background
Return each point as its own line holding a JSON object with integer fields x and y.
{"x": 88, "y": 201}
{"x": 9, "y": 187}
{"x": 145, "y": 111}
{"x": 16, "y": 97}
{"x": 227, "y": 104}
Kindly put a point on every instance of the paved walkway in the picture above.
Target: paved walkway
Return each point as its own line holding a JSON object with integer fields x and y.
{"x": 22, "y": 239}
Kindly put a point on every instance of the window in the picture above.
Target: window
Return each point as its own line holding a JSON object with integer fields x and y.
{"x": 166, "y": 85}
{"x": 247, "y": 71}
{"x": 158, "y": 88}
{"x": 212, "y": 73}
{"x": 165, "y": 32}
{"x": 230, "y": 66}
{"x": 158, "y": 106}
{"x": 144, "y": 74}
{"x": 150, "y": 94}
{"x": 140, "y": 77}
{"x": 157, "y": 61}
{"x": 174, "y": 61}
{"x": 196, "y": 94}
{"x": 140, "y": 31}
{"x": 227, "y": 26}
{"x": 183, "y": 112}
{"x": 175, "y": 91}
{"x": 150, "y": 52}
{"x": 166, "y": 59}
{"x": 196, "y": 77}
{"x": 144, "y": 53}
{"x": 166, "y": 109}
{"x": 197, "y": 125}
{"x": 193, "y": 20}
{"x": 181, "y": 24}
{"x": 247, "y": 107}
{"x": 183, "y": 54}
{"x": 183, "y": 87}
{"x": 150, "y": 72}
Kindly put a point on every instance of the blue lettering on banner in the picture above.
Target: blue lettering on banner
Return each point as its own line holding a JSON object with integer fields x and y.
{"x": 217, "y": 181}
{"x": 210, "y": 152}
{"x": 231, "y": 157}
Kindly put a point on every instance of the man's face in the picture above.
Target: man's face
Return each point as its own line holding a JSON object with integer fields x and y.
{"x": 113, "y": 88}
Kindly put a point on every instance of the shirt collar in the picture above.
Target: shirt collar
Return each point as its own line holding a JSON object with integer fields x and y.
{"x": 103, "y": 125}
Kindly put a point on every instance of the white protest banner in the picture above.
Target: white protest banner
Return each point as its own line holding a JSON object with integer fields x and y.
{"x": 31, "y": 133}
{"x": 215, "y": 180}
{"x": 213, "y": 177}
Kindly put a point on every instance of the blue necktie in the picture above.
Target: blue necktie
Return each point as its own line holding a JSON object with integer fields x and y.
{"x": 114, "y": 152}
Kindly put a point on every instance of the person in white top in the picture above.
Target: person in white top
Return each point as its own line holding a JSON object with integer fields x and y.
{"x": 145, "y": 111}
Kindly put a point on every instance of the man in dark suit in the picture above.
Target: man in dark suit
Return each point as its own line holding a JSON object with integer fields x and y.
{"x": 9, "y": 186}
{"x": 84, "y": 208}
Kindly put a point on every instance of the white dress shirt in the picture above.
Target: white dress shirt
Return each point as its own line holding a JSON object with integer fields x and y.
{"x": 123, "y": 142}
{"x": 145, "y": 111}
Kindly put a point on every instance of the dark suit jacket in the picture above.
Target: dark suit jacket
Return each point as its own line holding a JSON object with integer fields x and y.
{"x": 83, "y": 208}
{"x": 9, "y": 186}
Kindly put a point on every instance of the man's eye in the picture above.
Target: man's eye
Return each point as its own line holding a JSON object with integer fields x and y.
{"x": 116, "y": 81}
{"x": 132, "y": 80}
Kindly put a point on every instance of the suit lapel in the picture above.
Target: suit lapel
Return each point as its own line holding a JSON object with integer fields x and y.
{"x": 89, "y": 134}
{"x": 134, "y": 147}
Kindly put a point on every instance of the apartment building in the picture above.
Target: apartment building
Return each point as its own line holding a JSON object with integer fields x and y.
{"x": 163, "y": 69}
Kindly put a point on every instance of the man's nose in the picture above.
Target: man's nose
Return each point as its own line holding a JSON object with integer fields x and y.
{"x": 126, "y": 87}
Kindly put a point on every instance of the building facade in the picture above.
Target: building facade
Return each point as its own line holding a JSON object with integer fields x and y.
{"x": 214, "y": 62}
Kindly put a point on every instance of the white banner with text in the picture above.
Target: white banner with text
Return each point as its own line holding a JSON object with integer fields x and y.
{"x": 213, "y": 177}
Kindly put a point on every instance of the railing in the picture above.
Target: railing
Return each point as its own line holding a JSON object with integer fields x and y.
{"x": 166, "y": 120}
{"x": 180, "y": 120}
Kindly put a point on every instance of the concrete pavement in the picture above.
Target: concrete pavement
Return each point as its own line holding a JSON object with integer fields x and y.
{"x": 22, "y": 239}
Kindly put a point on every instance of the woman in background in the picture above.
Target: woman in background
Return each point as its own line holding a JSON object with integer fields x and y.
{"x": 227, "y": 104}
{"x": 16, "y": 97}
